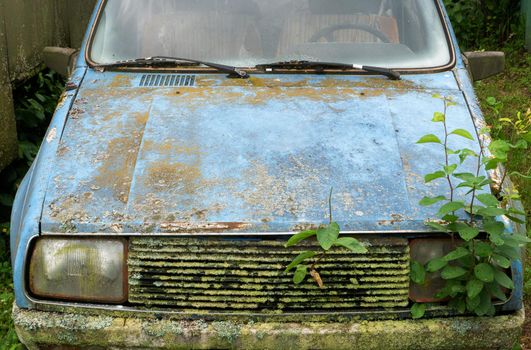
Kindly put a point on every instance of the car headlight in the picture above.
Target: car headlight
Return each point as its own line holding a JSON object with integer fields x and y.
{"x": 423, "y": 250}
{"x": 85, "y": 270}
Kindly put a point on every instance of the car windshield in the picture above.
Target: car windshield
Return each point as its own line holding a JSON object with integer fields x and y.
{"x": 405, "y": 34}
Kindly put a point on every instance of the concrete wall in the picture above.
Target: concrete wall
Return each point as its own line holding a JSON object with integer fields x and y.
{"x": 8, "y": 132}
{"x": 26, "y": 27}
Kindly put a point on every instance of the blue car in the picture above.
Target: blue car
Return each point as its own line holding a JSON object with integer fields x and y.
{"x": 195, "y": 138}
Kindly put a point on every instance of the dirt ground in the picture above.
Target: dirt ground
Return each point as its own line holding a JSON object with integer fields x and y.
{"x": 526, "y": 336}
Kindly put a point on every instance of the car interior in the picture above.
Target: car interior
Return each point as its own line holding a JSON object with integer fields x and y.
{"x": 265, "y": 31}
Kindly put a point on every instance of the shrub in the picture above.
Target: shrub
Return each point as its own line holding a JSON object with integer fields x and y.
{"x": 485, "y": 24}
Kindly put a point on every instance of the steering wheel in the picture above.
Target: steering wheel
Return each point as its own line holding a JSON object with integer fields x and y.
{"x": 328, "y": 32}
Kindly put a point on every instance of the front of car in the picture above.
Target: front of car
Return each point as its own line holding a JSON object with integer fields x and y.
{"x": 195, "y": 138}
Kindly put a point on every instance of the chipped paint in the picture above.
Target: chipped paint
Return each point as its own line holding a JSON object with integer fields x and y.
{"x": 51, "y": 135}
{"x": 222, "y": 156}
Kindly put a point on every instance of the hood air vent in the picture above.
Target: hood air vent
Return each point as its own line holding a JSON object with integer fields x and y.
{"x": 167, "y": 80}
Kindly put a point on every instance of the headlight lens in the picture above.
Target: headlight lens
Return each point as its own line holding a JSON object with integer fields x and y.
{"x": 86, "y": 270}
{"x": 423, "y": 250}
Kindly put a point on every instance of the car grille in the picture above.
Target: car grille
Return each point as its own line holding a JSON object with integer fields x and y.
{"x": 244, "y": 275}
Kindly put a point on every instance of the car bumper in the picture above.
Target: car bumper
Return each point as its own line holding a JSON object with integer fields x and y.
{"x": 42, "y": 330}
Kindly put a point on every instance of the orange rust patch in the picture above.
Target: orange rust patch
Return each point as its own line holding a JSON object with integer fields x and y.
{"x": 197, "y": 97}
{"x": 110, "y": 116}
{"x": 116, "y": 171}
{"x": 142, "y": 118}
{"x": 120, "y": 80}
{"x": 255, "y": 81}
{"x": 118, "y": 167}
{"x": 183, "y": 176}
{"x": 171, "y": 149}
{"x": 100, "y": 95}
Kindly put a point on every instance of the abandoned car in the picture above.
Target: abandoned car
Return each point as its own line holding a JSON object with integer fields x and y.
{"x": 195, "y": 138}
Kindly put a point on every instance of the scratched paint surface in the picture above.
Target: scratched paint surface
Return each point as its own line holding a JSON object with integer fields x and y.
{"x": 256, "y": 155}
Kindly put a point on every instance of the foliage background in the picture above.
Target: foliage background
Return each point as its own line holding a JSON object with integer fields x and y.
{"x": 35, "y": 102}
{"x": 486, "y": 23}
{"x": 479, "y": 25}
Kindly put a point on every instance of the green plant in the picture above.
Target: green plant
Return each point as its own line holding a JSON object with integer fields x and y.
{"x": 520, "y": 132}
{"x": 475, "y": 271}
{"x": 328, "y": 237}
{"x": 35, "y": 103}
{"x": 486, "y": 23}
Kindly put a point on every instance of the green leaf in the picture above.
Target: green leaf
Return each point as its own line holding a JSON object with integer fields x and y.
{"x": 300, "y": 237}
{"x": 466, "y": 232}
{"x": 465, "y": 176}
{"x": 495, "y": 290}
{"x": 484, "y": 272}
{"x": 450, "y": 169}
{"x": 300, "y": 274}
{"x": 520, "y": 238}
{"x": 462, "y": 133}
{"x": 473, "y": 303}
{"x": 436, "y": 264}
{"x": 436, "y": 175}
{"x": 467, "y": 261}
{"x": 492, "y": 163}
{"x": 499, "y": 149}
{"x": 488, "y": 199}
{"x": 482, "y": 249}
{"x": 438, "y": 117}
{"x": 299, "y": 259}
{"x": 351, "y": 243}
{"x": 515, "y": 219}
{"x": 457, "y": 289}
{"x": 417, "y": 272}
{"x": 458, "y": 304}
{"x": 418, "y": 310}
{"x": 427, "y": 201}
{"x": 485, "y": 306}
{"x": 512, "y": 253}
{"x": 501, "y": 261}
{"x": 328, "y": 235}
{"x": 494, "y": 227}
{"x": 451, "y": 272}
{"x": 473, "y": 288}
{"x": 504, "y": 280}
{"x": 429, "y": 139}
{"x": 458, "y": 253}
{"x": 450, "y": 207}
{"x": 450, "y": 218}
{"x": 490, "y": 212}
{"x": 520, "y": 144}
{"x": 516, "y": 211}
{"x": 496, "y": 239}
{"x": 515, "y": 240}
{"x": 465, "y": 153}
{"x": 437, "y": 226}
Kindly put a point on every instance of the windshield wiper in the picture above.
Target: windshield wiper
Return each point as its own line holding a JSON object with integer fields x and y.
{"x": 391, "y": 74}
{"x": 166, "y": 61}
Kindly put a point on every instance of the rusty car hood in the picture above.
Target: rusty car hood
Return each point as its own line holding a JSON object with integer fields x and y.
{"x": 147, "y": 155}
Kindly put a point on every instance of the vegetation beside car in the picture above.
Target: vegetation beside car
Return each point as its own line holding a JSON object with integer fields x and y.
{"x": 35, "y": 103}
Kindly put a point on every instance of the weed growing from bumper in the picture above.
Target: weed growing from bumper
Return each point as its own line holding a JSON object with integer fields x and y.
{"x": 476, "y": 271}
{"x": 307, "y": 262}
